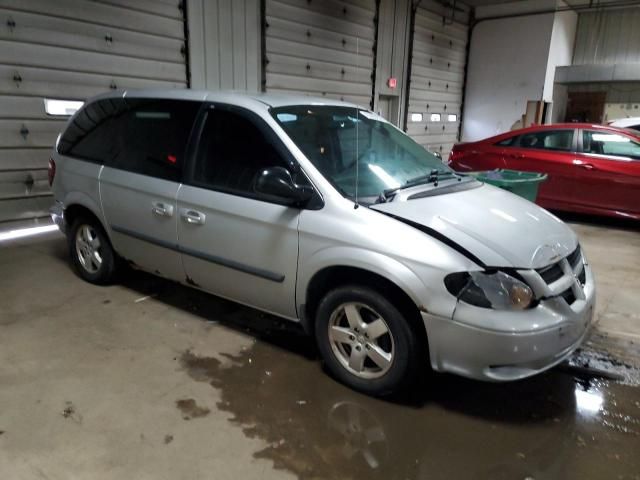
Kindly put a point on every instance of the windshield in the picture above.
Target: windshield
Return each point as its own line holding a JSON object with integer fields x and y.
{"x": 336, "y": 139}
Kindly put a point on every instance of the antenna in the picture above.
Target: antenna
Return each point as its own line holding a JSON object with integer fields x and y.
{"x": 357, "y": 136}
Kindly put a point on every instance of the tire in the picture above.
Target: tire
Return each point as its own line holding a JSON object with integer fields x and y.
{"x": 392, "y": 350}
{"x": 91, "y": 253}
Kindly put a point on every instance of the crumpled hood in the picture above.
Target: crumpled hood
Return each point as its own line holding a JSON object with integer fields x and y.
{"x": 497, "y": 227}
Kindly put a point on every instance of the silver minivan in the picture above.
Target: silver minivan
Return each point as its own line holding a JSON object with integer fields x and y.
{"x": 325, "y": 214}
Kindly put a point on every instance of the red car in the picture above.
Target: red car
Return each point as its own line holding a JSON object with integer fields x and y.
{"x": 591, "y": 168}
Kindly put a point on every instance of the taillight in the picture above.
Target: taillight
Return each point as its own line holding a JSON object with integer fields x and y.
{"x": 52, "y": 171}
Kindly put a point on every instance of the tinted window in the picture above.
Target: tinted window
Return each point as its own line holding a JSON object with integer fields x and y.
{"x": 91, "y": 133}
{"x": 604, "y": 143}
{"x": 508, "y": 142}
{"x": 232, "y": 151}
{"x": 548, "y": 140}
{"x": 152, "y": 137}
{"x": 146, "y": 136}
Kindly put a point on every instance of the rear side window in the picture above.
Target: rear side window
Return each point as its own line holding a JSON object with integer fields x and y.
{"x": 604, "y": 143}
{"x": 508, "y": 142}
{"x": 91, "y": 133}
{"x": 548, "y": 140}
{"x": 145, "y": 136}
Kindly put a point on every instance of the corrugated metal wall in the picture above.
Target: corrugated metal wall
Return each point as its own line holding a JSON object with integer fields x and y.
{"x": 72, "y": 49}
{"x": 224, "y": 38}
{"x": 437, "y": 75}
{"x": 321, "y": 48}
{"x": 608, "y": 37}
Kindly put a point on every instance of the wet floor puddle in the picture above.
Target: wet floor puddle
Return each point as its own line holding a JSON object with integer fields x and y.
{"x": 563, "y": 424}
{"x": 556, "y": 425}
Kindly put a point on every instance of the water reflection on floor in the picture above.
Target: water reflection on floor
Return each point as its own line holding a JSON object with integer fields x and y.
{"x": 561, "y": 424}
{"x": 551, "y": 426}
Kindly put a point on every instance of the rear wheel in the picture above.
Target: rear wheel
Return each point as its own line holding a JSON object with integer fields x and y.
{"x": 90, "y": 251}
{"x": 366, "y": 342}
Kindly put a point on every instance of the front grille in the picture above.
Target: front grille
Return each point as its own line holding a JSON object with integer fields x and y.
{"x": 554, "y": 272}
{"x": 582, "y": 276}
{"x": 568, "y": 296}
{"x": 574, "y": 258}
{"x": 551, "y": 273}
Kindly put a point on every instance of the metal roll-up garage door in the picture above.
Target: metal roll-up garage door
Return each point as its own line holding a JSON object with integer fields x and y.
{"x": 437, "y": 76}
{"x": 71, "y": 50}
{"x": 321, "y": 48}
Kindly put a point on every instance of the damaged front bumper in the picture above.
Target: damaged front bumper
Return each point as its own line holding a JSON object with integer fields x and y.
{"x": 494, "y": 345}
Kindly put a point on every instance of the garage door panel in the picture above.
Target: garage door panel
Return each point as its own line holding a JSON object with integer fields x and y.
{"x": 446, "y": 64}
{"x": 428, "y": 73}
{"x": 24, "y": 158}
{"x": 432, "y": 22}
{"x": 16, "y": 53}
{"x": 25, "y": 208}
{"x": 72, "y": 49}
{"x": 29, "y": 133}
{"x": 427, "y": 107}
{"x": 441, "y": 38}
{"x": 287, "y": 30}
{"x": 44, "y": 30}
{"x": 23, "y": 184}
{"x": 321, "y": 48}
{"x": 436, "y": 96}
{"x": 437, "y": 75}
{"x": 429, "y": 50}
{"x": 312, "y": 85}
{"x": 432, "y": 128}
{"x": 280, "y": 64}
{"x": 309, "y": 52}
{"x": 169, "y": 9}
{"x": 21, "y": 107}
{"x": 362, "y": 100}
{"x": 101, "y": 13}
{"x": 329, "y": 14}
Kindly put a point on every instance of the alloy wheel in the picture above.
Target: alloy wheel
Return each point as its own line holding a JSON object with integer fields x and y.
{"x": 361, "y": 340}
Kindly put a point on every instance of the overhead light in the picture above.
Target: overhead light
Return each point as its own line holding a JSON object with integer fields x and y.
{"x": 416, "y": 117}
{"x": 61, "y": 107}
{"x": 26, "y": 232}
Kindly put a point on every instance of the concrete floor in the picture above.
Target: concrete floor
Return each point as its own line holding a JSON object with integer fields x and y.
{"x": 151, "y": 380}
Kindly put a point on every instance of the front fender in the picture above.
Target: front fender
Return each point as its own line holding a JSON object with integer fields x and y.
{"x": 345, "y": 256}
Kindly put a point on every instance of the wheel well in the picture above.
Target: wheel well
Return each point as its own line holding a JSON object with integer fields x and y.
{"x": 72, "y": 212}
{"x": 332, "y": 277}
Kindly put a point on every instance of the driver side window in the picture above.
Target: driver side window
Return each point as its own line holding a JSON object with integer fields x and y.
{"x": 232, "y": 152}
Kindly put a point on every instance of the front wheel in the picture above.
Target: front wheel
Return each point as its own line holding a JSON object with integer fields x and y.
{"x": 366, "y": 342}
{"x": 90, "y": 251}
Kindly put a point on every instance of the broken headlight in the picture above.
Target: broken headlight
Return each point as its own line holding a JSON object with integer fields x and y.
{"x": 496, "y": 289}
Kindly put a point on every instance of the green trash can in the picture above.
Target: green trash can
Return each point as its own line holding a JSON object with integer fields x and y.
{"x": 524, "y": 184}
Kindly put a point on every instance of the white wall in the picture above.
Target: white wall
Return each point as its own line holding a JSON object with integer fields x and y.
{"x": 507, "y": 67}
{"x": 561, "y": 48}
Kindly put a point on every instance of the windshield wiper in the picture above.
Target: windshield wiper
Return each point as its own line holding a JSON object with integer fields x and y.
{"x": 432, "y": 177}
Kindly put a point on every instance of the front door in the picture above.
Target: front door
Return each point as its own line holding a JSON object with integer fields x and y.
{"x": 545, "y": 151}
{"x": 234, "y": 242}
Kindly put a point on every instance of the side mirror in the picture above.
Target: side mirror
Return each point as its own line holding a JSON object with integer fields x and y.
{"x": 277, "y": 182}
{"x": 437, "y": 154}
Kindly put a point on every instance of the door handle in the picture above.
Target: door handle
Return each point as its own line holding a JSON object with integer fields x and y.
{"x": 162, "y": 209}
{"x": 586, "y": 166}
{"x": 193, "y": 217}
